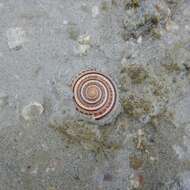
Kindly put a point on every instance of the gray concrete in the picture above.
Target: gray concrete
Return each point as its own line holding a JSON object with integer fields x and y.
{"x": 44, "y": 44}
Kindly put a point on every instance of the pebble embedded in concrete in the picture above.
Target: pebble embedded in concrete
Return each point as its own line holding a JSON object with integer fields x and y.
{"x": 139, "y": 40}
{"x": 16, "y": 38}
{"x": 84, "y": 44}
{"x": 84, "y": 39}
{"x": 32, "y": 111}
{"x": 95, "y": 11}
{"x": 43, "y": 34}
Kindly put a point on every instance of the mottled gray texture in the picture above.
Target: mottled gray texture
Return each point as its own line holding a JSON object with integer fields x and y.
{"x": 43, "y": 47}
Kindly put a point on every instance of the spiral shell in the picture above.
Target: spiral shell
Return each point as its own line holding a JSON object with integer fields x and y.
{"x": 94, "y": 94}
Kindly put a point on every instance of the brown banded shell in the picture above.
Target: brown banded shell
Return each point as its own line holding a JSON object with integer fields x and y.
{"x": 94, "y": 94}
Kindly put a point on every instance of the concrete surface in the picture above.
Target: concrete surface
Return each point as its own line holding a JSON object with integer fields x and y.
{"x": 143, "y": 46}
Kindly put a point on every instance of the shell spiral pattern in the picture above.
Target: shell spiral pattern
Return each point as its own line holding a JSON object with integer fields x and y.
{"x": 94, "y": 94}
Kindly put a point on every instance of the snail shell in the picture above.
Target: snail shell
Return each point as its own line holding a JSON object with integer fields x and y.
{"x": 94, "y": 94}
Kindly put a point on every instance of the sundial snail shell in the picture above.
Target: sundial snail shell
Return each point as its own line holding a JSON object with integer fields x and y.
{"x": 94, "y": 94}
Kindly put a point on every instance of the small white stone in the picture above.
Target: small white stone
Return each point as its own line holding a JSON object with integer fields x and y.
{"x": 45, "y": 147}
{"x": 83, "y": 49}
{"x": 34, "y": 171}
{"x": 123, "y": 61}
{"x": 169, "y": 12}
{"x": 32, "y": 110}
{"x": 139, "y": 40}
{"x": 50, "y": 169}
{"x": 140, "y": 132}
{"x": 134, "y": 182}
{"x": 84, "y": 44}
{"x": 20, "y": 134}
{"x": 153, "y": 158}
{"x": 95, "y": 11}
{"x": 15, "y": 37}
{"x": 65, "y": 22}
{"x": 84, "y": 39}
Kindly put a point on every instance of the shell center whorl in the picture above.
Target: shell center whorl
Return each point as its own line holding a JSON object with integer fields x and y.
{"x": 92, "y": 92}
